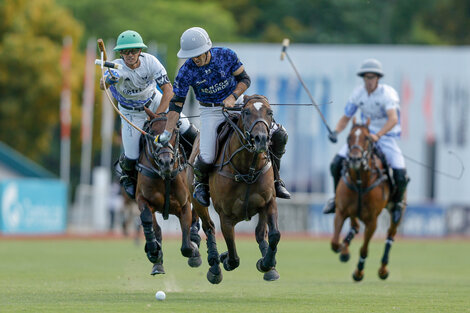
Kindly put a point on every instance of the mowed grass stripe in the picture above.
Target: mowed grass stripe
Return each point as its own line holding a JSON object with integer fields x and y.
{"x": 113, "y": 276}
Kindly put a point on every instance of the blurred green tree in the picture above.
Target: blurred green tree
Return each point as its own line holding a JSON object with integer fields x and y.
{"x": 162, "y": 22}
{"x": 31, "y": 35}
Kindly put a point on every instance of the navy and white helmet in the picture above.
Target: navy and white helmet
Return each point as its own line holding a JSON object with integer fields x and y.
{"x": 194, "y": 42}
{"x": 370, "y": 66}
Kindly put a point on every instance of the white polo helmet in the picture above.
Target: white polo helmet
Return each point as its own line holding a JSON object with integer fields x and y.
{"x": 194, "y": 42}
{"x": 370, "y": 66}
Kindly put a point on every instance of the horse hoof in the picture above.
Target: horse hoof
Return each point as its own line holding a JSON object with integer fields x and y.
{"x": 261, "y": 268}
{"x": 157, "y": 269}
{"x": 344, "y": 257}
{"x": 195, "y": 261}
{"x": 357, "y": 277}
{"x": 383, "y": 274}
{"x": 271, "y": 275}
{"x": 214, "y": 275}
{"x": 155, "y": 258}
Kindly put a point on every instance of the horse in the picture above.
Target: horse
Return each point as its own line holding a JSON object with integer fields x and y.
{"x": 363, "y": 191}
{"x": 241, "y": 186}
{"x": 162, "y": 187}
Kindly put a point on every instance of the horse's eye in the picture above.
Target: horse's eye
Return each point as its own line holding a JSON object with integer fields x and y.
{"x": 245, "y": 112}
{"x": 270, "y": 112}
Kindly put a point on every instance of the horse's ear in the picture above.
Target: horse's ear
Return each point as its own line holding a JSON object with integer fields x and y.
{"x": 246, "y": 99}
{"x": 354, "y": 120}
{"x": 150, "y": 113}
{"x": 368, "y": 122}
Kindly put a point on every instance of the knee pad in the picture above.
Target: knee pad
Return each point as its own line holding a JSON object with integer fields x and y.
{"x": 279, "y": 140}
{"x": 400, "y": 177}
{"x": 336, "y": 165}
{"x": 190, "y": 134}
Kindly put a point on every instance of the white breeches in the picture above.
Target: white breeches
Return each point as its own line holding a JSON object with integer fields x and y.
{"x": 211, "y": 118}
{"x": 389, "y": 147}
{"x": 131, "y": 136}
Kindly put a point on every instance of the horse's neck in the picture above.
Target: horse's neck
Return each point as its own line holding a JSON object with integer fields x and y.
{"x": 363, "y": 174}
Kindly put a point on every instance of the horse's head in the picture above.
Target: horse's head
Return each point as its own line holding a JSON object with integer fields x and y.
{"x": 360, "y": 145}
{"x": 164, "y": 157}
{"x": 256, "y": 119}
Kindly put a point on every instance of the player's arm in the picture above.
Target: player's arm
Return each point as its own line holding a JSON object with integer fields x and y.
{"x": 243, "y": 82}
{"x": 392, "y": 120}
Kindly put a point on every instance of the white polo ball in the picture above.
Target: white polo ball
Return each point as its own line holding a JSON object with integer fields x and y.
{"x": 160, "y": 295}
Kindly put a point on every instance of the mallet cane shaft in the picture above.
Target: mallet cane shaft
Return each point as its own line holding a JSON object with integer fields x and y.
{"x": 285, "y": 44}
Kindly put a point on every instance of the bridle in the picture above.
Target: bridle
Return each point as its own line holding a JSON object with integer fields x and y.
{"x": 246, "y": 143}
{"x": 154, "y": 152}
{"x": 366, "y": 164}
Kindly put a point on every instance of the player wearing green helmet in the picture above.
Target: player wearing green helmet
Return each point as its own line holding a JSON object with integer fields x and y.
{"x": 135, "y": 87}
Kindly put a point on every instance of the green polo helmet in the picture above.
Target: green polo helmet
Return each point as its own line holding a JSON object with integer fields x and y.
{"x": 129, "y": 40}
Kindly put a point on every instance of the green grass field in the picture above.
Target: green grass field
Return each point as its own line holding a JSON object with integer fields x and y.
{"x": 113, "y": 276}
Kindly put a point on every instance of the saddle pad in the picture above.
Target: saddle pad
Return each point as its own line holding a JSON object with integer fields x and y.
{"x": 223, "y": 132}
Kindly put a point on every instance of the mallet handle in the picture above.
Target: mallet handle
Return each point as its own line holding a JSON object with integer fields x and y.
{"x": 102, "y": 48}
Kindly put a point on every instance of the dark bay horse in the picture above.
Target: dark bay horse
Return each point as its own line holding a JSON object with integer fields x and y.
{"x": 162, "y": 187}
{"x": 362, "y": 193}
{"x": 241, "y": 186}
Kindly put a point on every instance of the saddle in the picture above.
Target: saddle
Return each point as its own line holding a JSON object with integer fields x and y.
{"x": 387, "y": 169}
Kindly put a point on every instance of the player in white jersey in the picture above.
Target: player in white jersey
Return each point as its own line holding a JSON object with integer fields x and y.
{"x": 135, "y": 87}
{"x": 380, "y": 103}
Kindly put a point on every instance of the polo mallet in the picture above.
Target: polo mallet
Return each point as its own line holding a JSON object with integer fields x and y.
{"x": 285, "y": 44}
{"x": 103, "y": 64}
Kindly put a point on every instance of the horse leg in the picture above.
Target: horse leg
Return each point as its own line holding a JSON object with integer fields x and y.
{"x": 214, "y": 275}
{"x": 392, "y": 231}
{"x": 268, "y": 251}
{"x": 152, "y": 230}
{"x": 338, "y": 225}
{"x": 195, "y": 227}
{"x": 229, "y": 258}
{"x": 189, "y": 249}
{"x": 261, "y": 234}
{"x": 344, "y": 256}
{"x": 358, "y": 274}
{"x": 158, "y": 265}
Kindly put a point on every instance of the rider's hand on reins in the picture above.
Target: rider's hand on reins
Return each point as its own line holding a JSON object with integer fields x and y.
{"x": 229, "y": 102}
{"x": 374, "y": 137}
{"x": 163, "y": 138}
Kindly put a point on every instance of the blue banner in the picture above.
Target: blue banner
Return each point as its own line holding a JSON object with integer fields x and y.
{"x": 33, "y": 206}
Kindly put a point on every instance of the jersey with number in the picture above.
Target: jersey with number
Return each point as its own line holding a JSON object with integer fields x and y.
{"x": 375, "y": 107}
{"x": 137, "y": 86}
{"x": 213, "y": 82}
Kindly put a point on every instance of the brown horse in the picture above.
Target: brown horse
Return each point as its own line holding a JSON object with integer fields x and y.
{"x": 362, "y": 193}
{"x": 162, "y": 187}
{"x": 241, "y": 186}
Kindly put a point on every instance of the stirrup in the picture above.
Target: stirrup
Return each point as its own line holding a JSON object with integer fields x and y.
{"x": 330, "y": 206}
{"x": 201, "y": 194}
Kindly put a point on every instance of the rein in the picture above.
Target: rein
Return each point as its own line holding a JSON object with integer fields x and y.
{"x": 245, "y": 144}
{"x": 356, "y": 185}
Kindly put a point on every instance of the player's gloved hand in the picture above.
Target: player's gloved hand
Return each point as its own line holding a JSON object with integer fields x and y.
{"x": 163, "y": 138}
{"x": 112, "y": 79}
{"x": 333, "y": 136}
